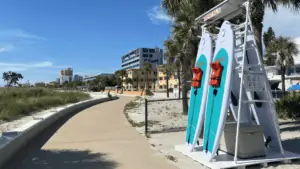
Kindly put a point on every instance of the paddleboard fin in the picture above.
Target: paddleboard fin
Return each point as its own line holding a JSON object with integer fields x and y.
{"x": 215, "y": 92}
{"x": 195, "y": 92}
{"x": 268, "y": 140}
{"x": 234, "y": 99}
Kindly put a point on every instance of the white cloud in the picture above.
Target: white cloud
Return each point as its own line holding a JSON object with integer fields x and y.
{"x": 6, "y": 48}
{"x": 297, "y": 58}
{"x": 157, "y": 15}
{"x": 284, "y": 22}
{"x": 18, "y": 33}
{"x": 5, "y": 66}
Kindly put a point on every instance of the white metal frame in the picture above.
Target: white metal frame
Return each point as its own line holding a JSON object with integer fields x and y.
{"x": 241, "y": 84}
{"x": 235, "y": 8}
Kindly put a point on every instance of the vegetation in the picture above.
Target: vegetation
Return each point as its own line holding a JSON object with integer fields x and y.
{"x": 183, "y": 44}
{"x": 169, "y": 71}
{"x": 40, "y": 84}
{"x": 122, "y": 76}
{"x": 269, "y": 37}
{"x": 147, "y": 68}
{"x": 288, "y": 107}
{"x": 285, "y": 49}
{"x": 16, "y": 102}
{"x": 11, "y": 78}
{"x": 258, "y": 8}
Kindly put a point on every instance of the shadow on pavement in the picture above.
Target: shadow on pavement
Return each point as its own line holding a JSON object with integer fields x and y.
{"x": 289, "y": 122}
{"x": 292, "y": 145}
{"x": 33, "y": 157}
{"x": 67, "y": 159}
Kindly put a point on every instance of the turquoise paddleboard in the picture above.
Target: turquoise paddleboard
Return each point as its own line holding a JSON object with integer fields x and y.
{"x": 218, "y": 97}
{"x": 198, "y": 94}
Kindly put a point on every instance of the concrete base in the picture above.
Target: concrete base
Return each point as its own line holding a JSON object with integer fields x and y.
{"x": 226, "y": 161}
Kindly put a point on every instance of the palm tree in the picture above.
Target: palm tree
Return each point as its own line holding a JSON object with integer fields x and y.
{"x": 185, "y": 34}
{"x": 286, "y": 49}
{"x": 11, "y": 78}
{"x": 129, "y": 81}
{"x": 258, "y": 13}
{"x": 147, "y": 68}
{"x": 135, "y": 82}
{"x": 168, "y": 69}
{"x": 173, "y": 54}
{"x": 122, "y": 75}
{"x": 185, "y": 29}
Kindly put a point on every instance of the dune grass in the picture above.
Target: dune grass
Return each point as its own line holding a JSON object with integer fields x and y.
{"x": 18, "y": 102}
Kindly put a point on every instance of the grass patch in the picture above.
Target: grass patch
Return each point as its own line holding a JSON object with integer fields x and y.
{"x": 130, "y": 105}
{"x": 172, "y": 158}
{"x": 137, "y": 98}
{"x": 18, "y": 102}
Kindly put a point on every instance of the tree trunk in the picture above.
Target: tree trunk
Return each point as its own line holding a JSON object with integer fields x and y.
{"x": 257, "y": 29}
{"x": 184, "y": 78}
{"x": 283, "y": 79}
{"x": 179, "y": 82}
{"x": 122, "y": 85}
{"x": 167, "y": 86}
{"x": 257, "y": 17}
{"x": 147, "y": 84}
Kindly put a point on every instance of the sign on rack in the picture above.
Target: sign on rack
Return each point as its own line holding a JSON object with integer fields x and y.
{"x": 253, "y": 82}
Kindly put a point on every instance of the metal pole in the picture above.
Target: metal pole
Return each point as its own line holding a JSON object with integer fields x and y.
{"x": 146, "y": 116}
{"x": 241, "y": 84}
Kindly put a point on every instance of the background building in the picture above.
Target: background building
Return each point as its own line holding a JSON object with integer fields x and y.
{"x": 58, "y": 80}
{"x": 77, "y": 78}
{"x": 136, "y": 58}
{"x": 138, "y": 80}
{"x": 66, "y": 75}
{"x": 87, "y": 78}
{"x": 162, "y": 79}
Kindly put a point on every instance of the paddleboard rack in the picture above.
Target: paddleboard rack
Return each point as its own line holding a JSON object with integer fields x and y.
{"x": 227, "y": 10}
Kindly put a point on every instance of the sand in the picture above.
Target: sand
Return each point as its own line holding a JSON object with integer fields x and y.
{"x": 167, "y": 117}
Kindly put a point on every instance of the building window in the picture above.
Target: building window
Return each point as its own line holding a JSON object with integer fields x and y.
{"x": 150, "y": 55}
{"x": 160, "y": 78}
{"x": 145, "y": 50}
{"x": 145, "y": 55}
{"x": 151, "y": 50}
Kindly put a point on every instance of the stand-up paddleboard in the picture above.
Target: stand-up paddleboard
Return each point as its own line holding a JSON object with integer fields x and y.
{"x": 199, "y": 92}
{"x": 218, "y": 95}
{"x": 266, "y": 112}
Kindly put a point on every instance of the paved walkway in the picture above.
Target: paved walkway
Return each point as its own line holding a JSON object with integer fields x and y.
{"x": 97, "y": 138}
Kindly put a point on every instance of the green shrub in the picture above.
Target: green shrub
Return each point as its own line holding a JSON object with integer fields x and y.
{"x": 289, "y": 106}
{"x": 17, "y": 102}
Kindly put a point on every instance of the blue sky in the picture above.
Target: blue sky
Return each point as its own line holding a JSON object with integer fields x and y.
{"x": 38, "y": 38}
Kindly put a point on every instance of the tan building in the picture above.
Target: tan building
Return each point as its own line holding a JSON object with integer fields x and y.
{"x": 162, "y": 79}
{"x": 138, "y": 80}
{"x": 66, "y": 75}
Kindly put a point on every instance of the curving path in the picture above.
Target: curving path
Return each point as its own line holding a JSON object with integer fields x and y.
{"x": 97, "y": 138}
